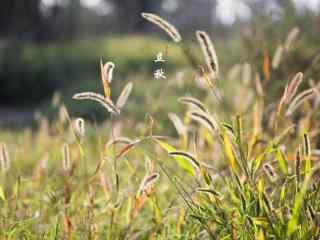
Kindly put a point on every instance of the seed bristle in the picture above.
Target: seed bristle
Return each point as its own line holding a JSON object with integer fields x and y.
{"x": 5, "y": 161}
{"x": 164, "y": 25}
{"x": 277, "y": 57}
{"x": 270, "y": 172}
{"x": 204, "y": 119}
{"x": 292, "y": 36}
{"x": 105, "y": 102}
{"x": 209, "y": 52}
{"x": 66, "y": 162}
{"x": 106, "y": 77}
{"x": 79, "y": 127}
{"x": 122, "y": 99}
{"x": 193, "y": 103}
{"x": 178, "y": 124}
{"x": 298, "y": 100}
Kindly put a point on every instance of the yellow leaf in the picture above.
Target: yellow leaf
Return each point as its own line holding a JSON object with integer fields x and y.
{"x": 16, "y": 189}
{"x": 165, "y": 146}
{"x": 260, "y": 186}
{"x": 2, "y": 194}
{"x": 229, "y": 152}
{"x": 261, "y": 235}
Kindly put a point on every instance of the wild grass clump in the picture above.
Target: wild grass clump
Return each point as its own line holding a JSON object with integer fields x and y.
{"x": 241, "y": 167}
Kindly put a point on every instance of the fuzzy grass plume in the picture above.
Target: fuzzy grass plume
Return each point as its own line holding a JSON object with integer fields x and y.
{"x": 209, "y": 52}
{"x": 164, "y": 25}
{"x": 277, "y": 57}
{"x": 178, "y": 124}
{"x": 299, "y": 100}
{"x": 5, "y": 161}
{"x": 291, "y": 38}
{"x": 105, "y": 102}
{"x": 122, "y": 99}
{"x": 79, "y": 126}
{"x": 106, "y": 76}
{"x": 193, "y": 103}
{"x": 66, "y": 161}
{"x": 204, "y": 119}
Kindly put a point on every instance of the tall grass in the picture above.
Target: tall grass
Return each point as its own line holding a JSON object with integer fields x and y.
{"x": 238, "y": 168}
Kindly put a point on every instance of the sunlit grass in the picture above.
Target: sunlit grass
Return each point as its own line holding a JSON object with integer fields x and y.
{"x": 238, "y": 166}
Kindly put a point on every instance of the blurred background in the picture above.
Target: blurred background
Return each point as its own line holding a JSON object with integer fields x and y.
{"x": 50, "y": 49}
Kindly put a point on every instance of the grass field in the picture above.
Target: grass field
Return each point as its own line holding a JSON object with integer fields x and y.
{"x": 172, "y": 160}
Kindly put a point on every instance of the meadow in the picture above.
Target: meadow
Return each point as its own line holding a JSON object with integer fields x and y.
{"x": 218, "y": 150}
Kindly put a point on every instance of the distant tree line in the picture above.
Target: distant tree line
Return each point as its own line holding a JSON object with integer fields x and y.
{"x": 67, "y": 19}
{"x": 28, "y": 20}
{"x": 64, "y": 20}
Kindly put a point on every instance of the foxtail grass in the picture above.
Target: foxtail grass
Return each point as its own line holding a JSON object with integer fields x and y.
{"x": 209, "y": 52}
{"x": 164, "y": 25}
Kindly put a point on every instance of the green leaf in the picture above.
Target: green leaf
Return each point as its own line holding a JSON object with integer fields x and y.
{"x": 282, "y": 162}
{"x": 257, "y": 162}
{"x": 182, "y": 162}
{"x": 128, "y": 210}
{"x": 282, "y": 193}
{"x": 293, "y": 223}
